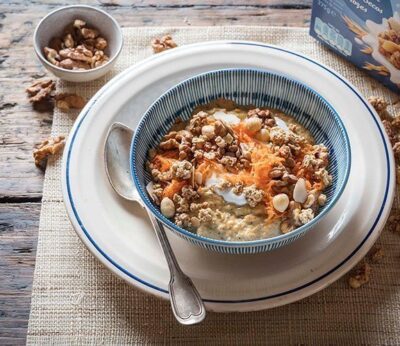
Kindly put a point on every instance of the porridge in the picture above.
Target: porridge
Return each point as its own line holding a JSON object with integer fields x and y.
{"x": 238, "y": 173}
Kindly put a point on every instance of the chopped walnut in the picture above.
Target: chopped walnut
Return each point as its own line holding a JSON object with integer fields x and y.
{"x": 40, "y": 90}
{"x": 259, "y": 113}
{"x": 100, "y": 43}
{"x": 89, "y": 33}
{"x": 379, "y": 104}
{"x": 52, "y": 56}
{"x": 390, "y": 131}
{"x": 220, "y": 142}
{"x": 284, "y": 151}
{"x": 228, "y": 161}
{"x": 164, "y": 43}
{"x": 99, "y": 59}
{"x": 289, "y": 178}
{"x": 49, "y": 147}
{"x": 360, "y": 276}
{"x": 393, "y": 223}
{"x": 65, "y": 101}
{"x": 277, "y": 172}
{"x": 68, "y": 41}
{"x": 80, "y": 53}
{"x": 70, "y": 64}
{"x": 398, "y": 175}
{"x": 169, "y": 144}
{"x": 396, "y": 122}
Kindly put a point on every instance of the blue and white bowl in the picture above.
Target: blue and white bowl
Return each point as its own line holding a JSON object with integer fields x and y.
{"x": 246, "y": 87}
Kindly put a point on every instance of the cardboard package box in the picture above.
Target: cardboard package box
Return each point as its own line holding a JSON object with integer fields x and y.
{"x": 365, "y": 32}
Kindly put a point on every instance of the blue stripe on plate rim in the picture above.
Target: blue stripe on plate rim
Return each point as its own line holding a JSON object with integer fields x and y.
{"x": 243, "y": 247}
{"x": 126, "y": 272}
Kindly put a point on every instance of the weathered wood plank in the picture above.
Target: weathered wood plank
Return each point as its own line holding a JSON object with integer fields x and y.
{"x": 176, "y": 3}
{"x": 18, "y": 238}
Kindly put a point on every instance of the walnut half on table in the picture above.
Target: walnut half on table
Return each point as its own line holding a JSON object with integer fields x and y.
{"x": 41, "y": 90}
{"x": 66, "y": 101}
{"x": 360, "y": 276}
{"x": 49, "y": 147}
{"x": 164, "y": 43}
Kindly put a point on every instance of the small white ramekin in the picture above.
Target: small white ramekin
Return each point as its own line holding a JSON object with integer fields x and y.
{"x": 54, "y": 24}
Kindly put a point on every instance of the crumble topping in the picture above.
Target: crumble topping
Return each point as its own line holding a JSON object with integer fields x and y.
{"x": 239, "y": 174}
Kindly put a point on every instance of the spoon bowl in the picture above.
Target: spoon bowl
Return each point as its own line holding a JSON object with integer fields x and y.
{"x": 116, "y": 152}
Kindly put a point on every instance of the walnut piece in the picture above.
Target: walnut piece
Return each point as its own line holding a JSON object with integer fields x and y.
{"x": 360, "y": 276}
{"x": 49, "y": 147}
{"x": 376, "y": 254}
{"x": 52, "y": 55}
{"x": 164, "y": 43}
{"x": 40, "y": 90}
{"x": 65, "y": 101}
{"x": 378, "y": 103}
{"x": 80, "y": 53}
{"x": 393, "y": 223}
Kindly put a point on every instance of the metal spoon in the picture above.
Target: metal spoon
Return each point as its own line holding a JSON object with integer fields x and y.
{"x": 187, "y": 306}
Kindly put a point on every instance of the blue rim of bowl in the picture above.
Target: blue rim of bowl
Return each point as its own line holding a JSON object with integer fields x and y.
{"x": 389, "y": 169}
{"x": 44, "y": 61}
{"x": 260, "y": 242}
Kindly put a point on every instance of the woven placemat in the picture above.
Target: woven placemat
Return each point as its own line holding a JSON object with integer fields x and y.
{"x": 75, "y": 300}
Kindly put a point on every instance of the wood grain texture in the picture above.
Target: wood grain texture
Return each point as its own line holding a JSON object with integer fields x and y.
{"x": 21, "y": 127}
{"x": 18, "y": 236}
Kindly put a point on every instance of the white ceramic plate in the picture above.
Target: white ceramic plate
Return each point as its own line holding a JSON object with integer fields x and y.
{"x": 119, "y": 234}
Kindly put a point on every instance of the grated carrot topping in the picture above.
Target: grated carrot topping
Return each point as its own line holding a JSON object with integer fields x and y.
{"x": 175, "y": 186}
{"x": 263, "y": 160}
{"x": 163, "y": 162}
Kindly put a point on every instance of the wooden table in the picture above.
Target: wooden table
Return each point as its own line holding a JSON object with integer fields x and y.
{"x": 21, "y": 127}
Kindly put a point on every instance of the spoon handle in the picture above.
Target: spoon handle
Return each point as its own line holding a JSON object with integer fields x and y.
{"x": 187, "y": 306}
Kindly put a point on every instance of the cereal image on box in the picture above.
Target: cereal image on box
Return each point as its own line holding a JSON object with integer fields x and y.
{"x": 367, "y": 33}
{"x": 382, "y": 41}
